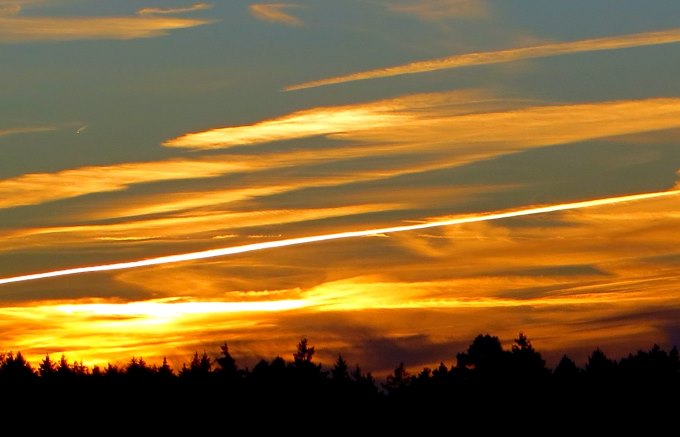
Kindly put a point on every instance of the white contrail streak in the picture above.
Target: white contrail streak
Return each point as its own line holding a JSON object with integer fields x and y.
{"x": 352, "y": 234}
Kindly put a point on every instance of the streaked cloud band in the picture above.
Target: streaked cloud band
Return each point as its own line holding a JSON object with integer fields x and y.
{"x": 500, "y": 56}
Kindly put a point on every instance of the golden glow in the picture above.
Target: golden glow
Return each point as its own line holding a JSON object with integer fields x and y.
{"x": 171, "y": 308}
{"x": 336, "y": 236}
{"x": 510, "y": 55}
{"x": 353, "y": 295}
{"x": 487, "y": 286}
{"x": 95, "y": 331}
{"x": 274, "y": 12}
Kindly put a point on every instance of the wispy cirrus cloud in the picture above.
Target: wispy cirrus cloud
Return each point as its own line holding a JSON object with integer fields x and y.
{"x": 196, "y": 224}
{"x": 501, "y": 56}
{"x": 26, "y": 130}
{"x": 427, "y": 121}
{"x": 275, "y": 13}
{"x": 15, "y": 28}
{"x": 171, "y": 11}
{"x": 422, "y": 132}
{"x": 434, "y": 10}
{"x": 333, "y": 119}
{"x": 36, "y": 188}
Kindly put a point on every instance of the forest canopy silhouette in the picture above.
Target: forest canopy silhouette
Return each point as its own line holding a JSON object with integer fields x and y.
{"x": 485, "y": 366}
{"x": 485, "y": 386}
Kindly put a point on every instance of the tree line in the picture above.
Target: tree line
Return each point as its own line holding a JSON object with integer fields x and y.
{"x": 484, "y": 364}
{"x": 486, "y": 383}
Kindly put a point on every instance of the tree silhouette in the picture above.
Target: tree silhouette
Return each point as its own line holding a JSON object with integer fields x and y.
{"x": 441, "y": 371}
{"x": 165, "y": 371}
{"x": 566, "y": 370}
{"x": 15, "y": 368}
{"x": 199, "y": 368}
{"x": 599, "y": 366}
{"x": 485, "y": 358}
{"x": 47, "y": 368}
{"x": 527, "y": 364}
{"x": 138, "y": 371}
{"x": 304, "y": 353}
{"x": 226, "y": 363}
{"x": 340, "y": 371}
{"x": 486, "y": 376}
{"x": 398, "y": 380}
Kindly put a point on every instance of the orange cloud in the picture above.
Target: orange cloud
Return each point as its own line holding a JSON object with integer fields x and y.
{"x": 198, "y": 224}
{"x": 521, "y": 129}
{"x": 274, "y": 12}
{"x": 127, "y": 328}
{"x": 36, "y": 188}
{"x": 486, "y": 276}
{"x": 338, "y": 119}
{"x": 222, "y": 199}
{"x": 501, "y": 56}
{"x": 19, "y": 29}
{"x": 427, "y": 122}
{"x": 32, "y": 189}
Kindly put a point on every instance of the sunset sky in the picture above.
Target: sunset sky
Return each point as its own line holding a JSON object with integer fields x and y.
{"x": 132, "y": 130}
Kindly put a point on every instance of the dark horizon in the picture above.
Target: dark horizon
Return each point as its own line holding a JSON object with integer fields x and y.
{"x": 216, "y": 362}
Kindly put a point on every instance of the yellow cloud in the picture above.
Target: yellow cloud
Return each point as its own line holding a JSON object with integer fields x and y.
{"x": 31, "y": 189}
{"x": 221, "y": 199}
{"x": 169, "y": 11}
{"x": 494, "y": 133}
{"x": 429, "y": 122}
{"x": 17, "y": 29}
{"x": 336, "y": 119}
{"x": 197, "y": 224}
{"x": 274, "y": 12}
{"x": 128, "y": 328}
{"x": 509, "y": 55}
{"x": 36, "y": 188}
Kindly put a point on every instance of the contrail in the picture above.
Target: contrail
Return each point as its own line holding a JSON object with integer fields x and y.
{"x": 509, "y": 55}
{"x": 337, "y": 236}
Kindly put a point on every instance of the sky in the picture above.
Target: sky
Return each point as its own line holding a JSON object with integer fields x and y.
{"x": 365, "y": 173}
